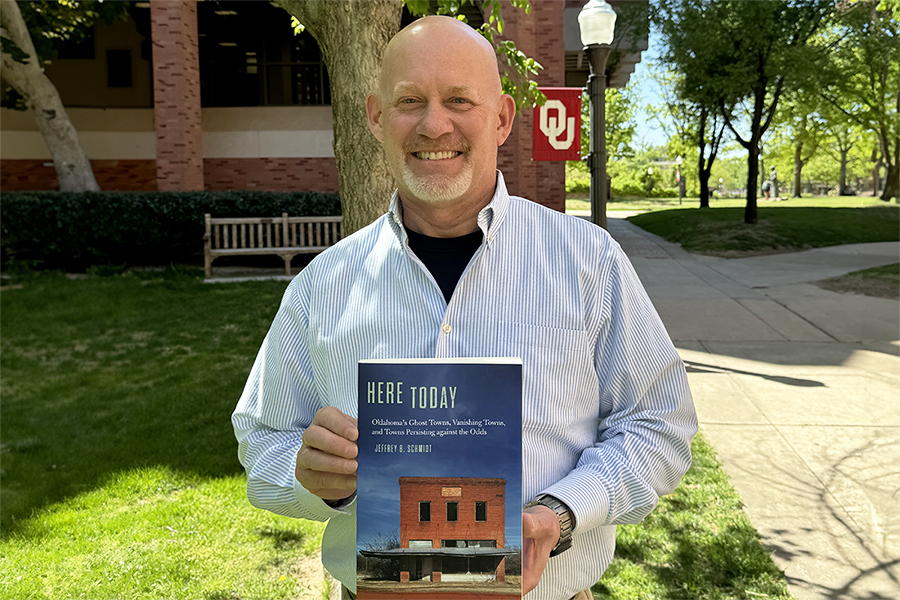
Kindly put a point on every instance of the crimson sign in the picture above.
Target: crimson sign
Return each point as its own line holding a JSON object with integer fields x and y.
{"x": 557, "y": 125}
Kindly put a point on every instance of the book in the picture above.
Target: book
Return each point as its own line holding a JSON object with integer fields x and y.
{"x": 439, "y": 484}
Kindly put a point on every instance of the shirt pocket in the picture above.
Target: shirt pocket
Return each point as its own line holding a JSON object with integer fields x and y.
{"x": 559, "y": 382}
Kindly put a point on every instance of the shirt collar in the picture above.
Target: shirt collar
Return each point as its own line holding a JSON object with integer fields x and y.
{"x": 489, "y": 218}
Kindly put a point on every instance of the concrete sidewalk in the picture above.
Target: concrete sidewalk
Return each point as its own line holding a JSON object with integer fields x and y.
{"x": 798, "y": 389}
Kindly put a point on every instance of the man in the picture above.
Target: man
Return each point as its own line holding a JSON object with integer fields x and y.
{"x": 459, "y": 268}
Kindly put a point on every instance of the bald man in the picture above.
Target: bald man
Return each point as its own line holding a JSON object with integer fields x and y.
{"x": 459, "y": 268}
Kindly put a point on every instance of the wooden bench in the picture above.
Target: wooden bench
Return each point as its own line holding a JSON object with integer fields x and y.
{"x": 285, "y": 236}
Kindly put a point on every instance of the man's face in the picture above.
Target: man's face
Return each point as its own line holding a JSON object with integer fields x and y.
{"x": 440, "y": 115}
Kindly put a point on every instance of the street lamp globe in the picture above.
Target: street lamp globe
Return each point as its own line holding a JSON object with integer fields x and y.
{"x": 597, "y": 22}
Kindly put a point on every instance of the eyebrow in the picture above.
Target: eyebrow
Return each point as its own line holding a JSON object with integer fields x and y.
{"x": 405, "y": 87}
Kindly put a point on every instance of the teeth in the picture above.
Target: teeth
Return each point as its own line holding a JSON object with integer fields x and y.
{"x": 435, "y": 155}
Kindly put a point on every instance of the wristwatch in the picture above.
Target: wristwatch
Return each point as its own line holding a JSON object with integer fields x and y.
{"x": 566, "y": 521}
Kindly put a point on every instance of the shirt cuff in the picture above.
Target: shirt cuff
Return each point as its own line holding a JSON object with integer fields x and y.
{"x": 584, "y": 496}
{"x": 317, "y": 508}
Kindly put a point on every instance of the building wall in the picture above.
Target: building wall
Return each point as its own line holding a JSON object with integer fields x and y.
{"x": 263, "y": 148}
{"x": 539, "y": 35}
{"x": 433, "y": 489}
{"x": 273, "y": 148}
{"x": 176, "y": 95}
{"x": 83, "y": 82}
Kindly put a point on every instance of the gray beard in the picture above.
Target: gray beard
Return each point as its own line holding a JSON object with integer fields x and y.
{"x": 435, "y": 189}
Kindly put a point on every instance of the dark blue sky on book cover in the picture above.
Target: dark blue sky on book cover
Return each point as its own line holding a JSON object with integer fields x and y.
{"x": 485, "y": 393}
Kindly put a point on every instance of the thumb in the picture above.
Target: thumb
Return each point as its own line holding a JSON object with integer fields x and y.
{"x": 528, "y": 525}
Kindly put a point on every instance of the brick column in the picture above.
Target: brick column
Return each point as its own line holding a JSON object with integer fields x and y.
{"x": 540, "y": 36}
{"x": 176, "y": 95}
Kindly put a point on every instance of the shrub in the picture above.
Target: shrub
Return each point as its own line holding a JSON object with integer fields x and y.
{"x": 75, "y": 230}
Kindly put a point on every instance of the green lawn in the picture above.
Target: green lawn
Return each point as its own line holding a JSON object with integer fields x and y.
{"x": 120, "y": 475}
{"x": 120, "y": 478}
{"x": 722, "y": 231}
{"x": 882, "y": 282}
{"x": 698, "y": 543}
{"x": 577, "y": 203}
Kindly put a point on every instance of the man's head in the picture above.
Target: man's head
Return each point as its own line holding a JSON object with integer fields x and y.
{"x": 440, "y": 112}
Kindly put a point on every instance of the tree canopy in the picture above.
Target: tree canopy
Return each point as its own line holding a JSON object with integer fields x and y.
{"x": 741, "y": 57}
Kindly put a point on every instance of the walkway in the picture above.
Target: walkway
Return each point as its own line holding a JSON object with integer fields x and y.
{"x": 798, "y": 389}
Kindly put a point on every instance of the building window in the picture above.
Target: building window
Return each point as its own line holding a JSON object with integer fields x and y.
{"x": 452, "y": 511}
{"x": 77, "y": 48}
{"x": 118, "y": 68}
{"x": 249, "y": 56}
{"x": 424, "y": 511}
{"x": 481, "y": 511}
{"x": 468, "y": 544}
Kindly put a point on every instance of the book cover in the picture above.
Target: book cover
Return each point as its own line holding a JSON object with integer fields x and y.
{"x": 439, "y": 485}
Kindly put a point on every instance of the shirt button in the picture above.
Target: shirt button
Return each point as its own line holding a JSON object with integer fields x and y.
{"x": 446, "y": 328}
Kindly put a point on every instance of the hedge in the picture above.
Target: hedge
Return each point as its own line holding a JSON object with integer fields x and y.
{"x": 75, "y": 230}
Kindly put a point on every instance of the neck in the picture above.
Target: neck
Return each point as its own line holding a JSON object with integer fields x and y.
{"x": 444, "y": 220}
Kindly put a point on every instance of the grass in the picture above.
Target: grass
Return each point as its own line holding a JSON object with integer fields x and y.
{"x": 574, "y": 203}
{"x": 120, "y": 478}
{"x": 119, "y": 467}
{"x": 698, "y": 543}
{"x": 722, "y": 231}
{"x": 881, "y": 282}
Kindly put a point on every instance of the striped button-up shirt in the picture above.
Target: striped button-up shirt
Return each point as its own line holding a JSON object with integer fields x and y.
{"x": 608, "y": 416}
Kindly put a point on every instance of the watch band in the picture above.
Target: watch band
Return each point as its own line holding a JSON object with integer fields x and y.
{"x": 566, "y": 521}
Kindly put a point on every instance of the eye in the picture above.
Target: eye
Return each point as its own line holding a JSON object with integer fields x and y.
{"x": 458, "y": 100}
{"x": 408, "y": 101}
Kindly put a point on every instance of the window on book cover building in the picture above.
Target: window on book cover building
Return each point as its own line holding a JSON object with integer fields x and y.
{"x": 468, "y": 543}
{"x": 452, "y": 511}
{"x": 424, "y": 511}
{"x": 481, "y": 511}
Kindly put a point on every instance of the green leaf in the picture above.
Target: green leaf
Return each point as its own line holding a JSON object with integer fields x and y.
{"x": 17, "y": 54}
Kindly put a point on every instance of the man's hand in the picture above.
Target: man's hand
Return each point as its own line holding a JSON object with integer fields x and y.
{"x": 540, "y": 533}
{"x": 326, "y": 463}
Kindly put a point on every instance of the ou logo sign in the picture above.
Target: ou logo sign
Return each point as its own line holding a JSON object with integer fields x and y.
{"x": 557, "y": 125}
{"x": 554, "y": 127}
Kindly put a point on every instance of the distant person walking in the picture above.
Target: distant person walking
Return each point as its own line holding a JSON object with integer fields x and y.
{"x": 773, "y": 182}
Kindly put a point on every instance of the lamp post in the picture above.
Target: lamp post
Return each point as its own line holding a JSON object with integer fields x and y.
{"x": 597, "y": 22}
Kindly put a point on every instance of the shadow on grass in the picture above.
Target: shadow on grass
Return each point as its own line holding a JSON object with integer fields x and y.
{"x": 109, "y": 374}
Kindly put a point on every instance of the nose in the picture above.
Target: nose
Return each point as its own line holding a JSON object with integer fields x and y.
{"x": 435, "y": 122}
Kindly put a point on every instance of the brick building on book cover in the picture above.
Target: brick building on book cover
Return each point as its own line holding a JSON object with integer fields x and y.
{"x": 451, "y": 529}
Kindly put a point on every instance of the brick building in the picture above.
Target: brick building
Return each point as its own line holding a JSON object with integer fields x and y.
{"x": 222, "y": 95}
{"x": 451, "y": 529}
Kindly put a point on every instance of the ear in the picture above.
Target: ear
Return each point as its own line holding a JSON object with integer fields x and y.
{"x": 373, "y": 116}
{"x": 506, "y": 115}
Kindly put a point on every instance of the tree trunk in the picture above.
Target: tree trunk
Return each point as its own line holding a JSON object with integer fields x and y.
{"x": 892, "y": 171}
{"x": 703, "y": 178}
{"x": 842, "y": 178}
{"x": 798, "y": 169}
{"x": 352, "y": 35}
{"x": 752, "y": 174}
{"x": 891, "y": 183}
{"x": 73, "y": 169}
{"x": 876, "y": 179}
{"x": 701, "y": 160}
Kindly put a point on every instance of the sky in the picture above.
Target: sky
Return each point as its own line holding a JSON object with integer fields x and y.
{"x": 485, "y": 392}
{"x": 647, "y": 131}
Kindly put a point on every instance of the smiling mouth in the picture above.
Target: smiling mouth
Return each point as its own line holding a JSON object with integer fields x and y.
{"x": 436, "y": 155}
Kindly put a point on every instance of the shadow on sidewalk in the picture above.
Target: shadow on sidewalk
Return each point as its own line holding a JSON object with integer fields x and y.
{"x": 695, "y": 367}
